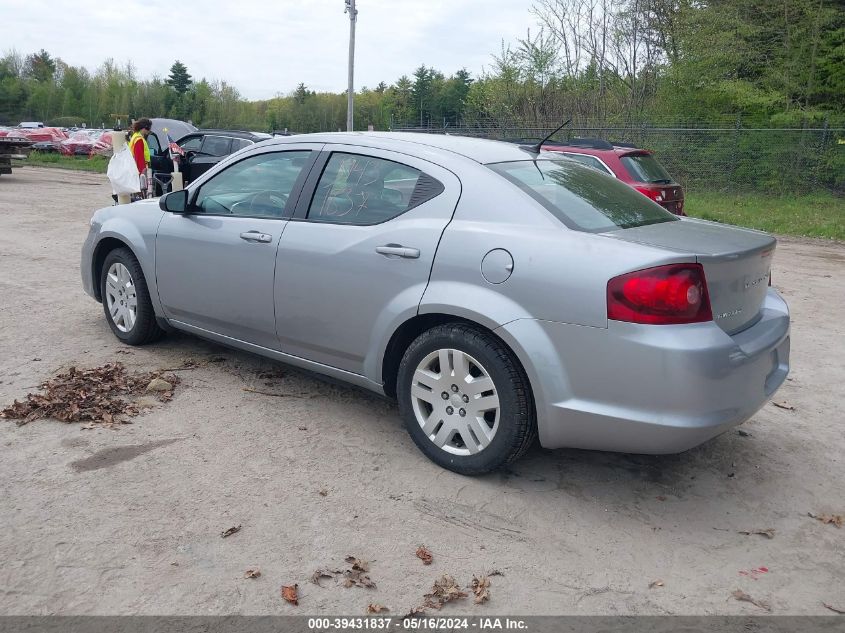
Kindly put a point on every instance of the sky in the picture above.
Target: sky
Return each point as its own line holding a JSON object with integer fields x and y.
{"x": 265, "y": 48}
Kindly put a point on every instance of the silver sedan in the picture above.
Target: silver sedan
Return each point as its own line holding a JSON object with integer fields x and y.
{"x": 498, "y": 293}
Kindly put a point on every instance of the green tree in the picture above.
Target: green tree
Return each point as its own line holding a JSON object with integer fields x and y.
{"x": 40, "y": 66}
{"x": 179, "y": 78}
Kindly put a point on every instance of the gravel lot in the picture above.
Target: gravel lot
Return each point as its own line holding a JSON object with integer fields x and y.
{"x": 128, "y": 521}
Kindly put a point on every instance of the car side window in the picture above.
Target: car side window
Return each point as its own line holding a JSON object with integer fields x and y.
{"x": 589, "y": 161}
{"x": 191, "y": 144}
{"x": 240, "y": 143}
{"x": 363, "y": 190}
{"x": 258, "y": 186}
{"x": 153, "y": 144}
{"x": 216, "y": 145}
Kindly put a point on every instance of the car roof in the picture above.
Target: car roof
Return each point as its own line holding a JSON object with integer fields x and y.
{"x": 480, "y": 150}
{"x": 591, "y": 151}
{"x": 236, "y": 133}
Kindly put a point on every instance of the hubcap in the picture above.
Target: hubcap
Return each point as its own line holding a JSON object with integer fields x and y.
{"x": 120, "y": 297}
{"x": 455, "y": 402}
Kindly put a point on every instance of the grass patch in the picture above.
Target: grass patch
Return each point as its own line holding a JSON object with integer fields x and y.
{"x": 813, "y": 215}
{"x": 97, "y": 164}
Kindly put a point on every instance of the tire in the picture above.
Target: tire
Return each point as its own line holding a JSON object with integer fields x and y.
{"x": 140, "y": 327}
{"x": 484, "y": 394}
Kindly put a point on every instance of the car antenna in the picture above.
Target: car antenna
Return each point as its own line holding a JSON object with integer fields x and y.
{"x": 536, "y": 148}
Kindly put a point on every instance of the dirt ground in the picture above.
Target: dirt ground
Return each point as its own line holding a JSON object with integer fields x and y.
{"x": 128, "y": 521}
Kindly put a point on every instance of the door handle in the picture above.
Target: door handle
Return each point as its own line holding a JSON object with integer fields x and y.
{"x": 256, "y": 236}
{"x": 397, "y": 250}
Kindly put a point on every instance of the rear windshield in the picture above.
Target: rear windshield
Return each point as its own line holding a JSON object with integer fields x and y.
{"x": 645, "y": 168}
{"x": 582, "y": 198}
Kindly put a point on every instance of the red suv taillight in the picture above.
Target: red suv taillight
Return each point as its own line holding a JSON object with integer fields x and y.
{"x": 664, "y": 295}
{"x": 650, "y": 192}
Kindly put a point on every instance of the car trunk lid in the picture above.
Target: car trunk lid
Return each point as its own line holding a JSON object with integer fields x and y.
{"x": 736, "y": 264}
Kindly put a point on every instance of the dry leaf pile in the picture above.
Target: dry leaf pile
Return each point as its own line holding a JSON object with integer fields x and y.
{"x": 740, "y": 595}
{"x": 355, "y": 576}
{"x": 104, "y": 395}
{"x": 424, "y": 555}
{"x": 481, "y": 588}
{"x": 444, "y": 590}
{"x": 832, "y": 519}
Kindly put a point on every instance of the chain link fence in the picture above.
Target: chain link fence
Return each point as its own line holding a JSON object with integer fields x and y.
{"x": 709, "y": 158}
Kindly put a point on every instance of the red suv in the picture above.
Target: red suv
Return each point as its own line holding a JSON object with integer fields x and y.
{"x": 635, "y": 167}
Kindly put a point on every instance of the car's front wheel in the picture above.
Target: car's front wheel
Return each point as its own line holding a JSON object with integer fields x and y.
{"x": 126, "y": 299}
{"x": 465, "y": 399}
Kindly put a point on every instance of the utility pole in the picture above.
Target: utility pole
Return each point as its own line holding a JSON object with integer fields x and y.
{"x": 353, "y": 14}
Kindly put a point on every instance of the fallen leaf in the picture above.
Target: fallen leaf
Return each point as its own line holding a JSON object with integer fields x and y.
{"x": 424, "y": 555}
{"x": 833, "y": 519}
{"x": 324, "y": 573}
{"x": 290, "y": 594}
{"x": 655, "y": 583}
{"x": 252, "y": 573}
{"x": 783, "y": 405}
{"x": 744, "y": 597}
{"x": 481, "y": 588}
{"x": 323, "y": 492}
{"x": 357, "y": 563}
{"x": 232, "y": 530}
{"x": 768, "y": 532}
{"x": 832, "y": 608}
{"x": 444, "y": 590}
{"x": 495, "y": 572}
{"x": 415, "y": 612}
{"x": 303, "y": 428}
{"x": 660, "y": 498}
{"x": 742, "y": 433}
{"x": 754, "y": 574}
{"x": 376, "y": 608}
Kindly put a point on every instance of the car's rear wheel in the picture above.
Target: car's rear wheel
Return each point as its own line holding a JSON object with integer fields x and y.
{"x": 465, "y": 399}
{"x": 126, "y": 299}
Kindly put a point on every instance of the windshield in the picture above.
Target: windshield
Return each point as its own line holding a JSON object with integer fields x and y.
{"x": 582, "y": 198}
{"x": 645, "y": 168}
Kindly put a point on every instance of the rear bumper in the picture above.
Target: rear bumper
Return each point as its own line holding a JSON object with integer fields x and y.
{"x": 649, "y": 389}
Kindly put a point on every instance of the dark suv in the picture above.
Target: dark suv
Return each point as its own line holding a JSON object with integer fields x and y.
{"x": 204, "y": 149}
{"x": 635, "y": 167}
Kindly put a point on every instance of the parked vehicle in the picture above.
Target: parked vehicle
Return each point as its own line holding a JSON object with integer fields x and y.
{"x": 638, "y": 168}
{"x": 30, "y": 125}
{"x": 83, "y": 142}
{"x": 204, "y": 149}
{"x": 497, "y": 293}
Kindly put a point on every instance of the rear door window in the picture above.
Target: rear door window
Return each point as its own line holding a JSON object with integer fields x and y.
{"x": 240, "y": 143}
{"x": 589, "y": 161}
{"x": 358, "y": 189}
{"x": 582, "y": 198}
{"x": 216, "y": 145}
{"x": 191, "y": 143}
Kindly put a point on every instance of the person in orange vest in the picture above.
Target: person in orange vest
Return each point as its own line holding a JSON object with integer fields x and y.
{"x": 141, "y": 151}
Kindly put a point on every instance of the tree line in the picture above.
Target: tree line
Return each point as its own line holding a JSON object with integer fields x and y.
{"x": 620, "y": 62}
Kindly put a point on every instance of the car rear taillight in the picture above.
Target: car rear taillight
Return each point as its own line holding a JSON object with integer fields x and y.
{"x": 664, "y": 295}
{"x": 648, "y": 192}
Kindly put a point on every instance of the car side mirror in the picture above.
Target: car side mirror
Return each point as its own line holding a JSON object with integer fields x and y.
{"x": 174, "y": 202}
